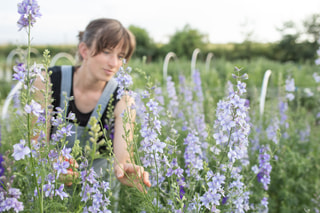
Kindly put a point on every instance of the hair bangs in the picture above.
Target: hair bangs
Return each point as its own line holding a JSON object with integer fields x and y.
{"x": 109, "y": 39}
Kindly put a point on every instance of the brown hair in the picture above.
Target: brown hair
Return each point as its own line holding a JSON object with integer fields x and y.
{"x": 107, "y": 33}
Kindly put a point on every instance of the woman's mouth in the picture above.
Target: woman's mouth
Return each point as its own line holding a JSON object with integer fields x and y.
{"x": 108, "y": 72}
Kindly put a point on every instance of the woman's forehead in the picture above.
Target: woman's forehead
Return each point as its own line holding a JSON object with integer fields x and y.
{"x": 120, "y": 47}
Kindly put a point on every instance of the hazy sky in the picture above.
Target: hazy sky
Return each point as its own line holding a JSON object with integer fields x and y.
{"x": 222, "y": 20}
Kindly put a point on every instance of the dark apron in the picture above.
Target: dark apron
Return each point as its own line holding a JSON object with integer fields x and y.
{"x": 100, "y": 165}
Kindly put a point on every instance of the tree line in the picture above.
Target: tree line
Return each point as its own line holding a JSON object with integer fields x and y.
{"x": 297, "y": 44}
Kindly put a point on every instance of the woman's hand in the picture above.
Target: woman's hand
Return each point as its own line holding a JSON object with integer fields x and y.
{"x": 132, "y": 175}
{"x": 72, "y": 172}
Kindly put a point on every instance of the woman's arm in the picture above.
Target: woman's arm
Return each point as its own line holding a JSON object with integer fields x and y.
{"x": 124, "y": 167}
{"x": 43, "y": 99}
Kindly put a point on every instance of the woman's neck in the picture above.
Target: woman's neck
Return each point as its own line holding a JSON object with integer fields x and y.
{"x": 89, "y": 84}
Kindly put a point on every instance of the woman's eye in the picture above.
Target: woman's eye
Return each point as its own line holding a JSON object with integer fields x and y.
{"x": 106, "y": 52}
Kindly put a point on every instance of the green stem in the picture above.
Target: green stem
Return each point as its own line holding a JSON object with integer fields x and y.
{"x": 225, "y": 150}
{"x": 158, "y": 192}
{"x": 29, "y": 119}
{"x": 46, "y": 104}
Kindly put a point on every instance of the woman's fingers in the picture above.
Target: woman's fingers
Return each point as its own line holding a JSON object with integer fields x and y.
{"x": 118, "y": 170}
{"x": 73, "y": 163}
{"x": 69, "y": 177}
{"x": 132, "y": 168}
{"x": 129, "y": 169}
{"x": 146, "y": 180}
{"x": 132, "y": 171}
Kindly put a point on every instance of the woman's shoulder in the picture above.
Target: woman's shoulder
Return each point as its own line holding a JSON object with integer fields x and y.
{"x": 55, "y": 76}
{"x": 58, "y": 69}
{"x": 55, "y": 69}
{"x": 56, "y": 72}
{"x": 125, "y": 102}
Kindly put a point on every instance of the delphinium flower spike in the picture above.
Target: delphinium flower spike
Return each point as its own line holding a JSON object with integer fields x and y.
{"x": 231, "y": 133}
{"x": 29, "y": 10}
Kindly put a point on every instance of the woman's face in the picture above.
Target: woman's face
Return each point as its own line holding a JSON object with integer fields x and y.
{"x": 105, "y": 64}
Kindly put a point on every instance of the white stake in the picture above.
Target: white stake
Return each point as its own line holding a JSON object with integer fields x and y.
{"x": 193, "y": 60}
{"x": 264, "y": 90}
{"x": 165, "y": 64}
{"x": 208, "y": 59}
{"x": 15, "y": 89}
{"x": 62, "y": 55}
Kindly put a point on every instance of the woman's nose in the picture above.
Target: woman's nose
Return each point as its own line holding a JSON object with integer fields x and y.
{"x": 113, "y": 60}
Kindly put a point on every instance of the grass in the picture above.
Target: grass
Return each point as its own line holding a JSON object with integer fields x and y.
{"x": 294, "y": 177}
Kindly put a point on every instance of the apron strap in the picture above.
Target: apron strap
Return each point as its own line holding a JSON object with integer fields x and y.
{"x": 104, "y": 99}
{"x": 66, "y": 83}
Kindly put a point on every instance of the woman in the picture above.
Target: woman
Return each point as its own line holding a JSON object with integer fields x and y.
{"x": 101, "y": 50}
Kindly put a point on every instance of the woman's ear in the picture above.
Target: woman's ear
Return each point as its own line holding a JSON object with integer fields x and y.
{"x": 83, "y": 50}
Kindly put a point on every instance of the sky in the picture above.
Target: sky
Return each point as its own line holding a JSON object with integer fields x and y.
{"x": 222, "y": 20}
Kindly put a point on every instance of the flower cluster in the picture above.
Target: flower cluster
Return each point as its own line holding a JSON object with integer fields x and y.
{"x": 21, "y": 72}
{"x": 9, "y": 200}
{"x": 29, "y": 10}
{"x": 20, "y": 150}
{"x": 263, "y": 174}
{"x": 151, "y": 145}
{"x": 192, "y": 113}
{"x": 1, "y": 167}
{"x": 231, "y": 127}
{"x": 173, "y": 99}
{"x": 124, "y": 80}
{"x": 272, "y": 130}
{"x": 211, "y": 199}
{"x": 193, "y": 156}
{"x": 317, "y": 61}
{"x": 93, "y": 192}
{"x": 231, "y": 136}
{"x": 264, "y": 167}
{"x": 187, "y": 96}
{"x": 199, "y": 118}
{"x": 290, "y": 88}
{"x": 9, "y": 195}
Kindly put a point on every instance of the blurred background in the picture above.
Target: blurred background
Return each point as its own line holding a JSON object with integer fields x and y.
{"x": 279, "y": 30}
{"x": 281, "y": 36}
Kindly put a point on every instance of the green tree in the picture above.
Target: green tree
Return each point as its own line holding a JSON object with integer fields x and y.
{"x": 183, "y": 42}
{"x": 145, "y": 44}
{"x": 286, "y": 49}
{"x": 312, "y": 27}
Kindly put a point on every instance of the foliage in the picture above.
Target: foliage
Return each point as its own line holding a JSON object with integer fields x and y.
{"x": 184, "y": 42}
{"x": 145, "y": 46}
{"x": 4, "y": 89}
{"x": 298, "y": 45}
{"x": 54, "y": 49}
{"x": 199, "y": 134}
{"x": 312, "y": 27}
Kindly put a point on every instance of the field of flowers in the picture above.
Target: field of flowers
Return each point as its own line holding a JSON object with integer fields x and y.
{"x": 202, "y": 134}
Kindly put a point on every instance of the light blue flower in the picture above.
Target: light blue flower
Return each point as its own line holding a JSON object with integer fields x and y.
{"x": 290, "y": 86}
{"x": 153, "y": 106}
{"x": 47, "y": 189}
{"x": 124, "y": 80}
{"x": 172, "y": 95}
{"x": 20, "y": 150}
{"x": 34, "y": 108}
{"x": 60, "y": 192}
{"x": 220, "y": 137}
{"x": 61, "y": 167}
{"x": 66, "y": 152}
{"x": 20, "y": 72}
{"x": 29, "y": 11}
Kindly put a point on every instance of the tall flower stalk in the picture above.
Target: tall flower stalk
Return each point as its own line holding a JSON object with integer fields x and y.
{"x": 29, "y": 11}
{"x": 225, "y": 182}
